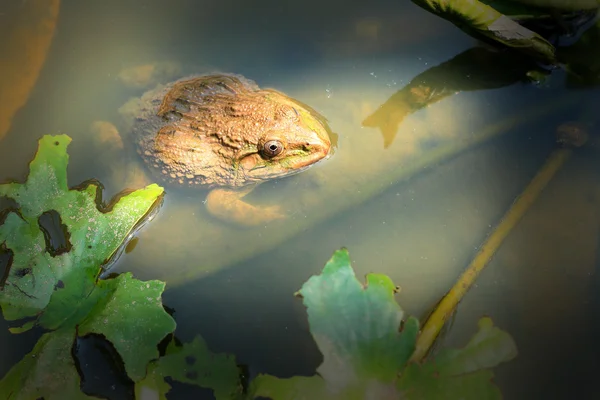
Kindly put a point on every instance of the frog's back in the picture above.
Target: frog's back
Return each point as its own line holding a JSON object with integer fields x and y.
{"x": 182, "y": 134}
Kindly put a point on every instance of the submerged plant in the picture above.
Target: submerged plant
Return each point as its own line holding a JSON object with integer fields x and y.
{"x": 366, "y": 347}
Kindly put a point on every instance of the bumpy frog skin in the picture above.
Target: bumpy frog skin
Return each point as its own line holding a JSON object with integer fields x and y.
{"x": 225, "y": 133}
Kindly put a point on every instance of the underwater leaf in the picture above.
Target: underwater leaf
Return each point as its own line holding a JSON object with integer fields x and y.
{"x": 489, "y": 347}
{"x": 47, "y": 372}
{"x": 129, "y": 313}
{"x": 461, "y": 373}
{"x": 42, "y": 279}
{"x": 356, "y": 327}
{"x": 195, "y": 364}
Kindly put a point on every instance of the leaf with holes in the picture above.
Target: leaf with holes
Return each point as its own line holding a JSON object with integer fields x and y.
{"x": 53, "y": 268}
{"x": 195, "y": 364}
{"x": 47, "y": 372}
{"x": 127, "y": 312}
{"x": 57, "y": 240}
{"x": 130, "y": 314}
{"x": 365, "y": 353}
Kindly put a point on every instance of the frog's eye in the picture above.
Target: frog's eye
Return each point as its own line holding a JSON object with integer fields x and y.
{"x": 272, "y": 148}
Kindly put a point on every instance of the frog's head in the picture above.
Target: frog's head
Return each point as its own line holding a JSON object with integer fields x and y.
{"x": 297, "y": 139}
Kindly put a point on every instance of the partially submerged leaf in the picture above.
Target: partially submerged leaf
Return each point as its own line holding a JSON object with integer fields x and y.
{"x": 195, "y": 364}
{"x": 153, "y": 386}
{"x": 61, "y": 288}
{"x": 39, "y": 283}
{"x": 294, "y": 388}
{"x": 129, "y": 313}
{"x": 30, "y": 281}
{"x": 489, "y": 347}
{"x": 356, "y": 327}
{"x": 47, "y": 372}
{"x": 365, "y": 355}
{"x": 461, "y": 373}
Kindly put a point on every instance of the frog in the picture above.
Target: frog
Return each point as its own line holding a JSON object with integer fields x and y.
{"x": 223, "y": 133}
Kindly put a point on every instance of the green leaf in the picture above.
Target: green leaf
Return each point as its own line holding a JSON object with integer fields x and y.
{"x": 315, "y": 387}
{"x": 489, "y": 347}
{"x": 47, "y": 372}
{"x": 295, "y": 388}
{"x": 484, "y": 22}
{"x": 50, "y": 285}
{"x": 356, "y": 327}
{"x": 195, "y": 364}
{"x": 61, "y": 287}
{"x": 365, "y": 355}
{"x": 461, "y": 373}
{"x": 153, "y": 386}
{"x": 30, "y": 284}
{"x": 129, "y": 313}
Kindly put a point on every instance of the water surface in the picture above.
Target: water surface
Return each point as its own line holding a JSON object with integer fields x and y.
{"x": 344, "y": 59}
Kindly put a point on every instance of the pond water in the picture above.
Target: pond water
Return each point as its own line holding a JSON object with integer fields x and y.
{"x": 235, "y": 286}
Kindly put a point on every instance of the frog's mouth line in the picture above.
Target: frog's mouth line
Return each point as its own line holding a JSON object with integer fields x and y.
{"x": 289, "y": 168}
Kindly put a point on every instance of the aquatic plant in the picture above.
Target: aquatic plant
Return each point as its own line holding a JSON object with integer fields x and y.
{"x": 366, "y": 346}
{"x": 53, "y": 279}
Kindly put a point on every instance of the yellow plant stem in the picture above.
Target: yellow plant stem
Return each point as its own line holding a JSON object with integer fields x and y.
{"x": 448, "y": 304}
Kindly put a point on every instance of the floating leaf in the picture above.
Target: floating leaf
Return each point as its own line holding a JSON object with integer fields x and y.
{"x": 153, "y": 386}
{"x": 55, "y": 285}
{"x": 60, "y": 285}
{"x": 365, "y": 355}
{"x": 295, "y": 388}
{"x": 357, "y": 329}
{"x": 461, "y": 373}
{"x": 195, "y": 364}
{"x": 47, "y": 372}
{"x": 131, "y": 316}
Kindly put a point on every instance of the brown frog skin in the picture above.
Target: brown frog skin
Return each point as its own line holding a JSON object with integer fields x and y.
{"x": 225, "y": 133}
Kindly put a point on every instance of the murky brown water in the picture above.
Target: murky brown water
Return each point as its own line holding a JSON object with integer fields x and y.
{"x": 344, "y": 59}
